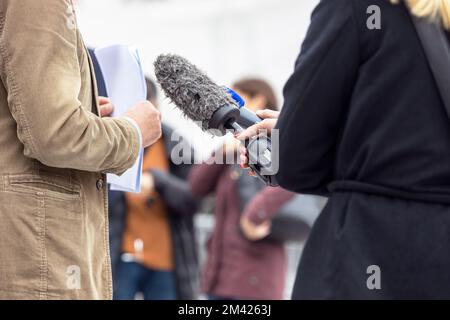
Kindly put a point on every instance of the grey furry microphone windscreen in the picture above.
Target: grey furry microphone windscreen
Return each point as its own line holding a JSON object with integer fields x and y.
{"x": 191, "y": 90}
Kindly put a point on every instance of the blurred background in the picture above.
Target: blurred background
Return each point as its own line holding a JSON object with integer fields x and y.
{"x": 228, "y": 40}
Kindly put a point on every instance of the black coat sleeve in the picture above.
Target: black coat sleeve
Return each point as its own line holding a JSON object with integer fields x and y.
{"x": 316, "y": 98}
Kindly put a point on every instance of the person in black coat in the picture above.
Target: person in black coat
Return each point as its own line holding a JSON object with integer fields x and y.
{"x": 364, "y": 124}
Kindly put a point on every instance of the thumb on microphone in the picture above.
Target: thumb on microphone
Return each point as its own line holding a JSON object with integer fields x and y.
{"x": 270, "y": 119}
{"x": 264, "y": 127}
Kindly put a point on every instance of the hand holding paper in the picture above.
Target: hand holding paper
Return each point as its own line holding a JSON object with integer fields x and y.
{"x": 148, "y": 118}
{"x": 125, "y": 84}
{"x": 106, "y": 107}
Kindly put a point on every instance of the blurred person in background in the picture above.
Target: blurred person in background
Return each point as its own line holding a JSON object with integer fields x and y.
{"x": 153, "y": 247}
{"x": 355, "y": 127}
{"x": 241, "y": 263}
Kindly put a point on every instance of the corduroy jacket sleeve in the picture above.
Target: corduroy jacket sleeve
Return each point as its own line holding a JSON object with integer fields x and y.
{"x": 41, "y": 70}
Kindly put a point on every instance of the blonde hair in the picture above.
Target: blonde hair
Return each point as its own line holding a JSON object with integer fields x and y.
{"x": 438, "y": 10}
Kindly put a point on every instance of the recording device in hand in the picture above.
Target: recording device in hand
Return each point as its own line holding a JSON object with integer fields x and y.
{"x": 213, "y": 107}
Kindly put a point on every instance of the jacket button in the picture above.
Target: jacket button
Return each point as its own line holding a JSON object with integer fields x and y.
{"x": 100, "y": 184}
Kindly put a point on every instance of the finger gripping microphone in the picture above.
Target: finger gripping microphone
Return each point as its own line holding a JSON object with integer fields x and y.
{"x": 213, "y": 107}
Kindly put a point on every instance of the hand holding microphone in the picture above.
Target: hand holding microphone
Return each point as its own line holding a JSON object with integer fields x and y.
{"x": 213, "y": 107}
{"x": 268, "y": 123}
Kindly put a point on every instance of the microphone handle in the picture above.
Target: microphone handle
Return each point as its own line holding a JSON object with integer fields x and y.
{"x": 259, "y": 149}
{"x": 259, "y": 152}
{"x": 247, "y": 118}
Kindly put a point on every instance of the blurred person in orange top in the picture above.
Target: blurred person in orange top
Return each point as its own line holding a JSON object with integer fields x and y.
{"x": 242, "y": 263}
{"x": 154, "y": 249}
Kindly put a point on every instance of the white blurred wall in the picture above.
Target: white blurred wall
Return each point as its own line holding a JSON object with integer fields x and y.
{"x": 227, "y": 39}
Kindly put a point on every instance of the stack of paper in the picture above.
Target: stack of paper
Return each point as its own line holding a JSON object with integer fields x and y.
{"x": 125, "y": 84}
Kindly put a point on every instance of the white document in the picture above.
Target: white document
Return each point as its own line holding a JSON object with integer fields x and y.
{"x": 125, "y": 84}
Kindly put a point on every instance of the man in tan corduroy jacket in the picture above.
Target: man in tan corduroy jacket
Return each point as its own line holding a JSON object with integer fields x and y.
{"x": 54, "y": 152}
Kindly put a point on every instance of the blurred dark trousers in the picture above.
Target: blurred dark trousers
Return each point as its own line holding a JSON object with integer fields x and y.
{"x": 133, "y": 278}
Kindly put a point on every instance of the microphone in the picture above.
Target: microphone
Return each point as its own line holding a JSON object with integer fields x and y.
{"x": 213, "y": 107}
